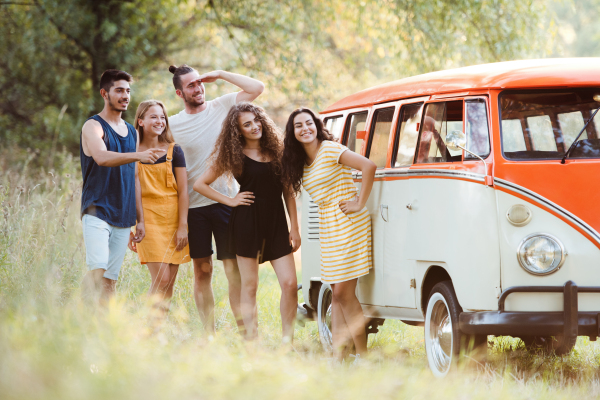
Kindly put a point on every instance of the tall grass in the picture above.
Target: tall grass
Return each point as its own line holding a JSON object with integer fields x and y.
{"x": 53, "y": 347}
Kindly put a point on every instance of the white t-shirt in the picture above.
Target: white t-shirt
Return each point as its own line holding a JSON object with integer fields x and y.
{"x": 197, "y": 135}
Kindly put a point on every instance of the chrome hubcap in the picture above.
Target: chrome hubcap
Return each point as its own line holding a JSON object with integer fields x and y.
{"x": 325, "y": 322}
{"x": 440, "y": 336}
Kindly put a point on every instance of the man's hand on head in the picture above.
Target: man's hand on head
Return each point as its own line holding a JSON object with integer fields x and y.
{"x": 210, "y": 76}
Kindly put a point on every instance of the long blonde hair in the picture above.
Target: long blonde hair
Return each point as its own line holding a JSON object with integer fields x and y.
{"x": 166, "y": 136}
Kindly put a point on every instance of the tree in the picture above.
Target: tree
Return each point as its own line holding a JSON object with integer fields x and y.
{"x": 308, "y": 52}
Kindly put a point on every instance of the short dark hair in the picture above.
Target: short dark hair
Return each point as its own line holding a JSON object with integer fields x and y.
{"x": 177, "y": 72}
{"x": 110, "y": 76}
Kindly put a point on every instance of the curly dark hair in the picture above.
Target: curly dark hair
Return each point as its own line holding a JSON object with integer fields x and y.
{"x": 293, "y": 152}
{"x": 228, "y": 156}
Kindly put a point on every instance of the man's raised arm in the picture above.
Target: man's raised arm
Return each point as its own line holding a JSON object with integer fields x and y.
{"x": 93, "y": 146}
{"x": 251, "y": 88}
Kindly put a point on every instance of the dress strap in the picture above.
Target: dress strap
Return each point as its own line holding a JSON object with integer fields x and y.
{"x": 170, "y": 177}
{"x": 170, "y": 152}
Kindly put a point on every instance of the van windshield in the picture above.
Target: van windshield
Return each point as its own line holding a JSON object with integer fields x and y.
{"x": 542, "y": 125}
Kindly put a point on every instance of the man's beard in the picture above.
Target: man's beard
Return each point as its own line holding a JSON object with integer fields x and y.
{"x": 191, "y": 101}
{"x": 113, "y": 106}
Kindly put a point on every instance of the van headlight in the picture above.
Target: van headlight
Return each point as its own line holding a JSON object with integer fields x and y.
{"x": 541, "y": 254}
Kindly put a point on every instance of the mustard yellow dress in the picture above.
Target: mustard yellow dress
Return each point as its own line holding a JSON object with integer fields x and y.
{"x": 160, "y": 201}
{"x": 345, "y": 239}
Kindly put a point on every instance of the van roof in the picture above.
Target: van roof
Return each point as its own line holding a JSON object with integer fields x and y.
{"x": 550, "y": 72}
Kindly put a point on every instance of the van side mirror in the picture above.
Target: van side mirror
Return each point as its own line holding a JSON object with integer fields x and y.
{"x": 456, "y": 140}
{"x": 361, "y": 134}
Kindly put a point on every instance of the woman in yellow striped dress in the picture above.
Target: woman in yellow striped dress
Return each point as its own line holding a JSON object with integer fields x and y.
{"x": 323, "y": 167}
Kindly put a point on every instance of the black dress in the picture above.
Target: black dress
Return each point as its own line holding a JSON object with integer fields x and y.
{"x": 260, "y": 229}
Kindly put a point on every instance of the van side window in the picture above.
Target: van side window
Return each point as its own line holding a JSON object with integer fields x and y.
{"x": 380, "y": 135}
{"x": 440, "y": 118}
{"x": 408, "y": 133}
{"x": 334, "y": 125}
{"x": 356, "y": 122}
{"x": 476, "y": 129}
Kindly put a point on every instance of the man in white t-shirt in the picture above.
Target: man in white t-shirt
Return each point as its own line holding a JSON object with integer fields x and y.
{"x": 196, "y": 129}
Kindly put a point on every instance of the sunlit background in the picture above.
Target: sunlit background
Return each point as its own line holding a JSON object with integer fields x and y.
{"x": 309, "y": 53}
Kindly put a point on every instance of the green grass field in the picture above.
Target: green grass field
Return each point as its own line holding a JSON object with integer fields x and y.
{"x": 53, "y": 347}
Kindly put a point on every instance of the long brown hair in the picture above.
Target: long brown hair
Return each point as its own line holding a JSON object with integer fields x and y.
{"x": 228, "y": 156}
{"x": 293, "y": 152}
{"x": 166, "y": 136}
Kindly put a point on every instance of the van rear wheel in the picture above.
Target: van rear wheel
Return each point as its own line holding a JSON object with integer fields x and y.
{"x": 325, "y": 326}
{"x": 324, "y": 317}
{"x": 443, "y": 339}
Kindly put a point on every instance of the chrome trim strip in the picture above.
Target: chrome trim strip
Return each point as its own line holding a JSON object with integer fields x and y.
{"x": 425, "y": 172}
{"x": 547, "y": 203}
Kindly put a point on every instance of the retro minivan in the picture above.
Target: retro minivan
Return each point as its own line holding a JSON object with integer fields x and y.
{"x": 485, "y": 207}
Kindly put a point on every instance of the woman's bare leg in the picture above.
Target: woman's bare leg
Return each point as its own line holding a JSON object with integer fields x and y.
{"x": 340, "y": 333}
{"x": 285, "y": 269}
{"x": 249, "y": 274}
{"x": 161, "y": 280}
{"x": 173, "y": 270}
{"x": 344, "y": 293}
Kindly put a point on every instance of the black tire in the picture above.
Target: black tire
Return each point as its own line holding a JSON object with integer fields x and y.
{"x": 443, "y": 339}
{"x": 558, "y": 345}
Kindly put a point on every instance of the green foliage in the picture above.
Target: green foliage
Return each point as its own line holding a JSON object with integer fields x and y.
{"x": 578, "y": 32}
{"x": 308, "y": 52}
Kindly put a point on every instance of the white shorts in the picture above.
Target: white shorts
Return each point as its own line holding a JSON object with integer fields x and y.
{"x": 105, "y": 245}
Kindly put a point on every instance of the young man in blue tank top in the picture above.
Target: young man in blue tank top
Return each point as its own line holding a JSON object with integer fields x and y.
{"x": 111, "y": 194}
{"x": 196, "y": 129}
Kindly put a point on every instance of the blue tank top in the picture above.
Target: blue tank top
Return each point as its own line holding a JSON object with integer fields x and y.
{"x": 109, "y": 192}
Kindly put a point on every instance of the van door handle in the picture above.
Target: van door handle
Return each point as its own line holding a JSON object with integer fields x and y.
{"x": 381, "y": 208}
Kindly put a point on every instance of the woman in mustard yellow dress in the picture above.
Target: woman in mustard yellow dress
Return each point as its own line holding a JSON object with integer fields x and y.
{"x": 164, "y": 200}
{"x": 324, "y": 168}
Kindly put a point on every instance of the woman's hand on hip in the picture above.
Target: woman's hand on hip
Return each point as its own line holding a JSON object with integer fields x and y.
{"x": 350, "y": 206}
{"x": 242, "y": 199}
{"x": 181, "y": 238}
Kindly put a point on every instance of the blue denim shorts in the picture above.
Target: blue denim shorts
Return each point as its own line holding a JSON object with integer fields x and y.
{"x": 105, "y": 245}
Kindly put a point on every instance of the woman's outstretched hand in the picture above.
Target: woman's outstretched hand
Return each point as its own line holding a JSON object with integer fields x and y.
{"x": 350, "y": 206}
{"x": 242, "y": 199}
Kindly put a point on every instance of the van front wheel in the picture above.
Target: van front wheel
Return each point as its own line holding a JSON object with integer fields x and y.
{"x": 443, "y": 339}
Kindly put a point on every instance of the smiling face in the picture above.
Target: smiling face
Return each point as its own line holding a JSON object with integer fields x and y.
{"x": 154, "y": 121}
{"x": 118, "y": 95}
{"x": 250, "y": 126}
{"x": 305, "y": 129}
{"x": 192, "y": 91}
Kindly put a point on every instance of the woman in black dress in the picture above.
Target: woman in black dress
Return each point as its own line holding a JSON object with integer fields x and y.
{"x": 249, "y": 147}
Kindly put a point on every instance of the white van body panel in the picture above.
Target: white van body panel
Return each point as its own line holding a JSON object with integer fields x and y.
{"x": 582, "y": 264}
{"x": 398, "y": 270}
{"x": 310, "y": 248}
{"x": 454, "y": 222}
{"x": 371, "y": 286}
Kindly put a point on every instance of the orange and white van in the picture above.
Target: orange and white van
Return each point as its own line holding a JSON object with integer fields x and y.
{"x": 485, "y": 207}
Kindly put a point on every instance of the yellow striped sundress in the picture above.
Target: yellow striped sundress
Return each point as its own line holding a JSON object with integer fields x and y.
{"x": 345, "y": 239}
